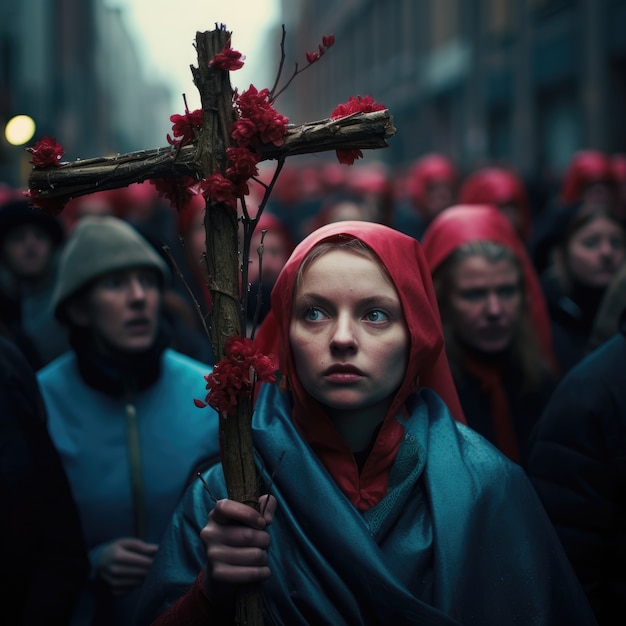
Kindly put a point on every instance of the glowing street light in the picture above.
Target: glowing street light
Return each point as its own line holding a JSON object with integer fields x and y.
{"x": 19, "y": 130}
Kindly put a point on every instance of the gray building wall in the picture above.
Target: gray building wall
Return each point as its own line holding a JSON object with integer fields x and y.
{"x": 72, "y": 66}
{"x": 524, "y": 82}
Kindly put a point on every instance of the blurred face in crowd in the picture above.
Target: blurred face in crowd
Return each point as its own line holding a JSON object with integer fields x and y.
{"x": 595, "y": 252}
{"x": 349, "y": 336}
{"x": 94, "y": 206}
{"x": 485, "y": 303}
{"x": 437, "y": 197}
{"x": 26, "y": 251}
{"x": 121, "y": 309}
{"x": 599, "y": 192}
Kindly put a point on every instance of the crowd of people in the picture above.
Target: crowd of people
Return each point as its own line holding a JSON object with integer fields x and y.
{"x": 445, "y": 443}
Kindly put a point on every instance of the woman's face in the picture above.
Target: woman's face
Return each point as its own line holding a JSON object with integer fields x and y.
{"x": 485, "y": 303}
{"x": 437, "y": 197}
{"x": 122, "y": 309}
{"x": 595, "y": 252}
{"x": 348, "y": 333}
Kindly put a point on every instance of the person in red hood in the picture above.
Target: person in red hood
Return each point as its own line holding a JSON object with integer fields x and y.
{"x": 430, "y": 187}
{"x": 505, "y": 189}
{"x": 588, "y": 177}
{"x": 495, "y": 322}
{"x": 384, "y": 508}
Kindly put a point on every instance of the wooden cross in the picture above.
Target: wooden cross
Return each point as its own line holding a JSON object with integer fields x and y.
{"x": 199, "y": 160}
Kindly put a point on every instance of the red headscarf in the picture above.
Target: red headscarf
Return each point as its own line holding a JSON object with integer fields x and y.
{"x": 496, "y": 185}
{"x": 403, "y": 258}
{"x": 430, "y": 168}
{"x": 464, "y": 224}
{"x": 585, "y": 168}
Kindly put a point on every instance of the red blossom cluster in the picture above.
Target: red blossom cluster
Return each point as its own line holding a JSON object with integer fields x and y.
{"x": 51, "y": 206}
{"x": 233, "y": 377}
{"x": 46, "y": 152}
{"x": 220, "y": 189}
{"x": 228, "y": 59}
{"x": 177, "y": 190}
{"x": 355, "y": 104}
{"x": 185, "y": 126}
{"x": 258, "y": 122}
{"x": 327, "y": 42}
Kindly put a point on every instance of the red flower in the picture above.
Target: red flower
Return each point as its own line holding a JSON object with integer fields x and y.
{"x": 219, "y": 189}
{"x": 311, "y": 57}
{"x": 228, "y": 59}
{"x": 177, "y": 191}
{"x": 52, "y": 206}
{"x": 239, "y": 348}
{"x": 327, "y": 42}
{"x": 348, "y": 157}
{"x": 184, "y": 127}
{"x": 242, "y": 164}
{"x": 258, "y": 121}
{"x": 233, "y": 377}
{"x": 244, "y": 132}
{"x": 46, "y": 152}
{"x": 358, "y": 104}
{"x": 249, "y": 100}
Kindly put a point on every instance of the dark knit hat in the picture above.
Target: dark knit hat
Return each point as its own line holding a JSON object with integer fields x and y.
{"x": 16, "y": 212}
{"x": 97, "y": 246}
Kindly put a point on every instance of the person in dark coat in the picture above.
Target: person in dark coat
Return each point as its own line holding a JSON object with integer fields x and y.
{"x": 578, "y": 467}
{"x": 30, "y": 241}
{"x": 590, "y": 249}
{"x": 43, "y": 560}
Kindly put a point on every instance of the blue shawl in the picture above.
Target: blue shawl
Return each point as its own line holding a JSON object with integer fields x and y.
{"x": 460, "y": 537}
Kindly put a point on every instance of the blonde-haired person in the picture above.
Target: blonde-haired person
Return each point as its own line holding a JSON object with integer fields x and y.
{"x": 120, "y": 409}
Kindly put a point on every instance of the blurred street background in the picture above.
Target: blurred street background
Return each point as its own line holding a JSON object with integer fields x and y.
{"x": 515, "y": 82}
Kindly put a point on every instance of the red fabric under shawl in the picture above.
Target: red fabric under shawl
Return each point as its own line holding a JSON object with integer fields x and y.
{"x": 404, "y": 260}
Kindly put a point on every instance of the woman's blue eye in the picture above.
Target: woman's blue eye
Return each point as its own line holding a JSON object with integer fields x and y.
{"x": 313, "y": 315}
{"x": 377, "y": 316}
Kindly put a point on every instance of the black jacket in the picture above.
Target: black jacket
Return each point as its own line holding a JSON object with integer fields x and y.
{"x": 578, "y": 467}
{"x": 43, "y": 561}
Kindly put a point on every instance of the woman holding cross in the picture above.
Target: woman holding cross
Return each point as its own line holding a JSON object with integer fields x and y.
{"x": 380, "y": 506}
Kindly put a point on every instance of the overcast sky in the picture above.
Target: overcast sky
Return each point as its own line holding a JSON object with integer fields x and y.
{"x": 165, "y": 32}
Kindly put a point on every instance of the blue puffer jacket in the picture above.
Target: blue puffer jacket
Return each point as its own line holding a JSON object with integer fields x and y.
{"x": 128, "y": 459}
